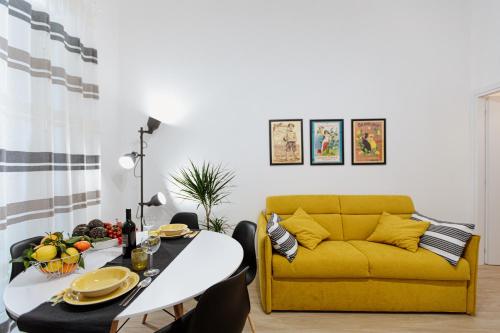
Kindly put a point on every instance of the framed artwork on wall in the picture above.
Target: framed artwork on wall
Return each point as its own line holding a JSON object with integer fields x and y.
{"x": 286, "y": 142}
{"x": 327, "y": 141}
{"x": 368, "y": 141}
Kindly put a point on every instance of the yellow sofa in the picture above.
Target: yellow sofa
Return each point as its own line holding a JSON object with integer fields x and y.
{"x": 347, "y": 273}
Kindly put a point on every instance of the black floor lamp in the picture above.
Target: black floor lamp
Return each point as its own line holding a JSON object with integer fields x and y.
{"x": 130, "y": 161}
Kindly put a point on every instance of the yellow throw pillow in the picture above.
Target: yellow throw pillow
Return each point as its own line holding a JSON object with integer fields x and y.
{"x": 394, "y": 230}
{"x": 306, "y": 230}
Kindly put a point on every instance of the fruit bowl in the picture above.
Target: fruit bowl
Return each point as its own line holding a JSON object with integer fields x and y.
{"x": 59, "y": 267}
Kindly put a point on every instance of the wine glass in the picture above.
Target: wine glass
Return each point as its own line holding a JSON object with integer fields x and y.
{"x": 148, "y": 225}
{"x": 150, "y": 246}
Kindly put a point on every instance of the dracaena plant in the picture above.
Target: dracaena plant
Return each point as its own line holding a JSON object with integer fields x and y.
{"x": 208, "y": 185}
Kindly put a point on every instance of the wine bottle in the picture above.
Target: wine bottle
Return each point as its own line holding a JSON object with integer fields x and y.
{"x": 128, "y": 235}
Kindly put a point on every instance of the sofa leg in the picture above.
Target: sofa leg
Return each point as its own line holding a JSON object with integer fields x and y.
{"x": 250, "y": 321}
{"x": 144, "y": 318}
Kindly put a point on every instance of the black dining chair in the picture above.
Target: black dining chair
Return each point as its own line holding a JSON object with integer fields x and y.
{"x": 244, "y": 233}
{"x": 17, "y": 249}
{"x": 223, "y": 307}
{"x": 190, "y": 219}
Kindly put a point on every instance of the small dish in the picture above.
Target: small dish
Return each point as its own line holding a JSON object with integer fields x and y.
{"x": 100, "y": 282}
{"x": 74, "y": 298}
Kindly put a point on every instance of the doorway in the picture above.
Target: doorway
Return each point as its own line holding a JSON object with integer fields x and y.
{"x": 492, "y": 178}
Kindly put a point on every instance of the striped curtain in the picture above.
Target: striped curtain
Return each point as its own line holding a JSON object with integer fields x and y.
{"x": 49, "y": 140}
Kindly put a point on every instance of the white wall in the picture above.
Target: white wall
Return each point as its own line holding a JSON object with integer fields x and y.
{"x": 485, "y": 46}
{"x": 219, "y": 70}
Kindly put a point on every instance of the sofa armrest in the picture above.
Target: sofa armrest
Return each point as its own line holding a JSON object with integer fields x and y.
{"x": 264, "y": 256}
{"x": 471, "y": 254}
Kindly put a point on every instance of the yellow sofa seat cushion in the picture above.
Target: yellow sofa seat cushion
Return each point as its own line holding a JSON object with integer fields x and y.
{"x": 306, "y": 230}
{"x": 330, "y": 259}
{"x": 391, "y": 262}
{"x": 394, "y": 230}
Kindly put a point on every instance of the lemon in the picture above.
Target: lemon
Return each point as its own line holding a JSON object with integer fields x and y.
{"x": 70, "y": 256}
{"x": 45, "y": 253}
{"x": 53, "y": 266}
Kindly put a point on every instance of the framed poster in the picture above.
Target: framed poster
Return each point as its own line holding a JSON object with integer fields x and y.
{"x": 285, "y": 142}
{"x": 368, "y": 141}
{"x": 327, "y": 141}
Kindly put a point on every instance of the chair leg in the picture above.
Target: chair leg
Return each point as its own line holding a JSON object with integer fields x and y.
{"x": 144, "y": 318}
{"x": 178, "y": 310}
{"x": 252, "y": 326}
{"x": 114, "y": 326}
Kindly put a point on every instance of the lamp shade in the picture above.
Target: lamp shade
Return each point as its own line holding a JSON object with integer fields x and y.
{"x": 156, "y": 200}
{"x": 127, "y": 161}
{"x": 153, "y": 125}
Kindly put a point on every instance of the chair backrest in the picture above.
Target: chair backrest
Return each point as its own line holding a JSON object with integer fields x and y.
{"x": 17, "y": 249}
{"x": 244, "y": 233}
{"x": 224, "y": 307}
{"x": 190, "y": 219}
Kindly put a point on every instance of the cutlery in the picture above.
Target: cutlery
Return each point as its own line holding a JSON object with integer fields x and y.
{"x": 143, "y": 284}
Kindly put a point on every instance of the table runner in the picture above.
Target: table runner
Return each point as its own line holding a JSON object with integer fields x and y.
{"x": 66, "y": 318}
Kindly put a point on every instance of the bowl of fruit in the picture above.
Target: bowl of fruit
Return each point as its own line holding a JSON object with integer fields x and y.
{"x": 102, "y": 235}
{"x": 55, "y": 256}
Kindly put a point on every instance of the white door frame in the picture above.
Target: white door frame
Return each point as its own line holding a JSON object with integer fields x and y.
{"x": 478, "y": 114}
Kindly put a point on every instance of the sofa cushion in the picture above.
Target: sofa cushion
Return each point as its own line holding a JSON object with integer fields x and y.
{"x": 360, "y": 227}
{"x": 330, "y": 259}
{"x": 446, "y": 239}
{"x": 391, "y": 262}
{"x": 283, "y": 242}
{"x": 331, "y": 222}
{"x": 306, "y": 230}
{"x": 403, "y": 233}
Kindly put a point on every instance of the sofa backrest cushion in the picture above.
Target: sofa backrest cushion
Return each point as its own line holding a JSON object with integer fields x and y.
{"x": 312, "y": 204}
{"x": 324, "y": 209}
{"x": 346, "y": 217}
{"x": 361, "y": 213}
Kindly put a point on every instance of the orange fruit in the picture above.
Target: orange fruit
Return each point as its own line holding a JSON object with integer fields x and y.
{"x": 82, "y": 246}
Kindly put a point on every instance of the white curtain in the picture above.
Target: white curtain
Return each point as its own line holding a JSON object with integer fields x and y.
{"x": 49, "y": 142}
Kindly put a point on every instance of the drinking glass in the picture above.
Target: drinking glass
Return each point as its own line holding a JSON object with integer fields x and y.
{"x": 150, "y": 246}
{"x": 139, "y": 259}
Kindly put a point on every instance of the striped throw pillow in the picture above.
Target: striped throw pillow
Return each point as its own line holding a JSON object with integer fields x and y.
{"x": 446, "y": 239}
{"x": 283, "y": 242}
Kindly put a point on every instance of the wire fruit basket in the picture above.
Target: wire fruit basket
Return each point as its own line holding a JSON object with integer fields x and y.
{"x": 59, "y": 267}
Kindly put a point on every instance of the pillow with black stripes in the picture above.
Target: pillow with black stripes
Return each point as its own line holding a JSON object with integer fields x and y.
{"x": 283, "y": 241}
{"x": 446, "y": 239}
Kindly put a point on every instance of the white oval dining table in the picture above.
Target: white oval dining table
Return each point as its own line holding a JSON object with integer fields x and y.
{"x": 208, "y": 259}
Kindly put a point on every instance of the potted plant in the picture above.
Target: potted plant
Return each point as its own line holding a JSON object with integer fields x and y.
{"x": 208, "y": 185}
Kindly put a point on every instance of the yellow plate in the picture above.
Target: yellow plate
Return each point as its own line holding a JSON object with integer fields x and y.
{"x": 100, "y": 282}
{"x": 184, "y": 232}
{"x": 172, "y": 229}
{"x": 128, "y": 285}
